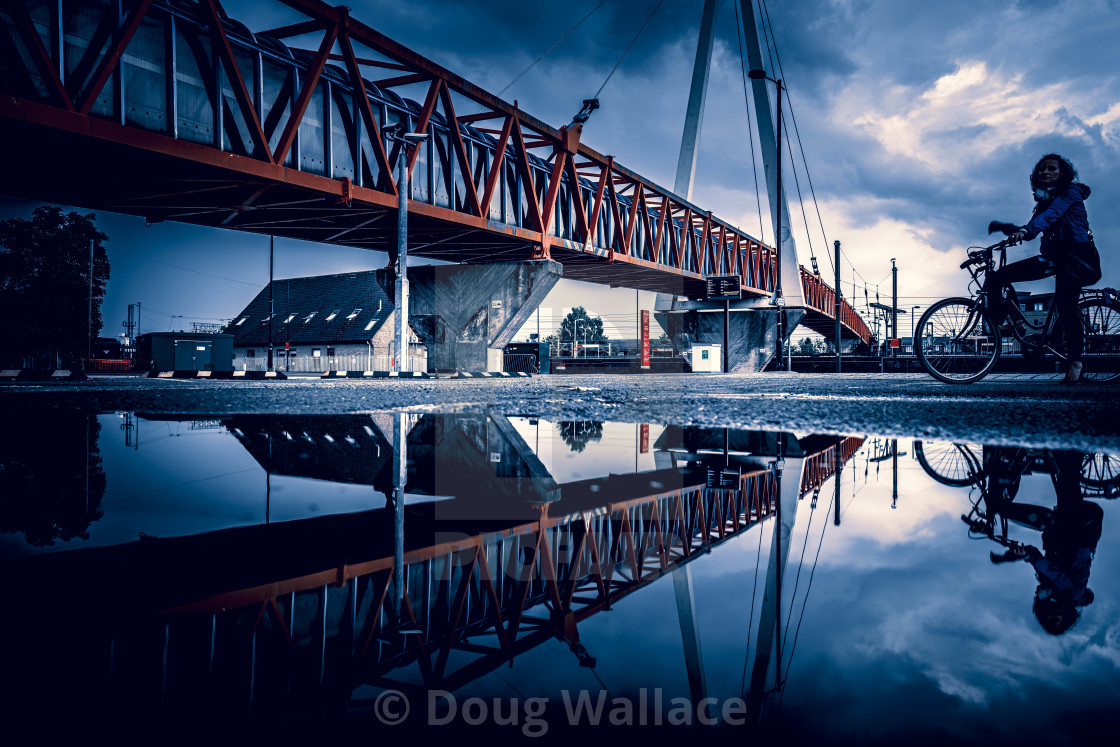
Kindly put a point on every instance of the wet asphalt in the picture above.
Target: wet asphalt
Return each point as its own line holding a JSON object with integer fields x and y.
{"x": 1026, "y": 410}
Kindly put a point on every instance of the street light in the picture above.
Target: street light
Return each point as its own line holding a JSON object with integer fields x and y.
{"x": 408, "y": 142}
{"x": 776, "y": 300}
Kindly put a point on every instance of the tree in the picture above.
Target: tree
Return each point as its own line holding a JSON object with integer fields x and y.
{"x": 578, "y": 327}
{"x": 576, "y": 434}
{"x": 45, "y": 286}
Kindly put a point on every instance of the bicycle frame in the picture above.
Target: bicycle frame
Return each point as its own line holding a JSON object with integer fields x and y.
{"x": 979, "y": 264}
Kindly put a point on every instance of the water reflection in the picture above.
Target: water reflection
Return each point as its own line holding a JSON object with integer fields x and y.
{"x": 287, "y": 568}
{"x": 1069, "y": 530}
{"x": 54, "y": 501}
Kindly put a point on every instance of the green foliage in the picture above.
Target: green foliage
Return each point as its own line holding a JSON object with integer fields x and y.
{"x": 577, "y": 434}
{"x": 45, "y": 286}
{"x": 578, "y": 325}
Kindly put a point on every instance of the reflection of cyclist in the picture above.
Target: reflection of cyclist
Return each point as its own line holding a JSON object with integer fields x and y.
{"x": 1068, "y": 543}
{"x": 1060, "y": 217}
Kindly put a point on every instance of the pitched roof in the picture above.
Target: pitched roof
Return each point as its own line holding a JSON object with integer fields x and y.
{"x": 350, "y": 307}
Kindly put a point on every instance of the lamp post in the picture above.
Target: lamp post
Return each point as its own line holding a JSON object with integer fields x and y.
{"x": 776, "y": 300}
{"x": 407, "y": 143}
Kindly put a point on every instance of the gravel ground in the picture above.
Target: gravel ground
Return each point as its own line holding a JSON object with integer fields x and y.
{"x": 1011, "y": 409}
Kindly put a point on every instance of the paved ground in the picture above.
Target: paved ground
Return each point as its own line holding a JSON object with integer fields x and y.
{"x": 1011, "y": 409}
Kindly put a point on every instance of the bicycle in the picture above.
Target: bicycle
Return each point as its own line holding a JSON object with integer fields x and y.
{"x": 958, "y": 342}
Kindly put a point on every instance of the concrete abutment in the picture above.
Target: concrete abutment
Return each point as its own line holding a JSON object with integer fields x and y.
{"x": 465, "y": 315}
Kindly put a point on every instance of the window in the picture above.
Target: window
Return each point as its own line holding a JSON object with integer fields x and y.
{"x": 350, "y": 317}
{"x": 370, "y": 325}
{"x": 330, "y": 352}
{"x": 309, "y": 317}
{"x": 1038, "y": 306}
{"x": 250, "y": 353}
{"x": 333, "y": 314}
{"x": 241, "y": 321}
{"x": 315, "y": 353}
{"x": 290, "y": 318}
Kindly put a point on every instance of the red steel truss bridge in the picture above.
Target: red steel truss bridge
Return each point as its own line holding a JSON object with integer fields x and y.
{"x": 171, "y": 110}
{"x": 258, "y": 617}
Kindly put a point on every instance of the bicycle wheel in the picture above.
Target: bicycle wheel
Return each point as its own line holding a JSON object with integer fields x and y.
{"x": 955, "y": 343}
{"x": 1101, "y": 356}
{"x": 951, "y": 464}
{"x": 1100, "y": 476}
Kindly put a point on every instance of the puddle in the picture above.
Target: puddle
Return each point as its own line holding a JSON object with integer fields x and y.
{"x": 526, "y": 575}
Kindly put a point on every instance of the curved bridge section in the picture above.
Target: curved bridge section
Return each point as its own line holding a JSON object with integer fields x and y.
{"x": 172, "y": 111}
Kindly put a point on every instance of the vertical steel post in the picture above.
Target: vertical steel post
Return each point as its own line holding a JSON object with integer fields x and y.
{"x": 836, "y": 294}
{"x": 726, "y": 335}
{"x": 400, "y": 323}
{"x": 89, "y": 325}
{"x": 894, "y": 473}
{"x": 779, "y": 301}
{"x": 894, "y": 307}
{"x": 836, "y": 487}
{"x": 271, "y": 305}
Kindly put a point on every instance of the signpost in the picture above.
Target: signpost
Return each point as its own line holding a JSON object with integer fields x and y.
{"x": 724, "y": 288}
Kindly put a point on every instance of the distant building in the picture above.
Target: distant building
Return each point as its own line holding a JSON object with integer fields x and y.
{"x": 184, "y": 351}
{"x": 322, "y": 323}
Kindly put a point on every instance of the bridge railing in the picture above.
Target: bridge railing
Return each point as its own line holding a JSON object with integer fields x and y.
{"x": 822, "y": 298}
{"x": 183, "y": 71}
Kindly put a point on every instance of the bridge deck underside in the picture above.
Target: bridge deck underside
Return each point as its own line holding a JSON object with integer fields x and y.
{"x": 87, "y": 172}
{"x": 826, "y": 325}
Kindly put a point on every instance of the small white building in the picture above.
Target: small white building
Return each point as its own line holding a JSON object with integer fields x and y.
{"x": 322, "y": 323}
{"x": 707, "y": 358}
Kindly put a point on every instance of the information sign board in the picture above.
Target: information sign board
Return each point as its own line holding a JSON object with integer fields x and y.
{"x": 723, "y": 287}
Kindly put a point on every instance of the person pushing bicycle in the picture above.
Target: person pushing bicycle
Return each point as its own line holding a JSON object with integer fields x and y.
{"x": 1067, "y": 251}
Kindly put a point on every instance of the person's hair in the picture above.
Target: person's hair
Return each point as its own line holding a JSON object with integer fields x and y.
{"x": 1054, "y": 615}
{"x": 1068, "y": 172}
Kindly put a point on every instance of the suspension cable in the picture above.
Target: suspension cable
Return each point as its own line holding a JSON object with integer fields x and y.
{"x": 750, "y": 620}
{"x": 554, "y": 46}
{"x": 632, "y": 41}
{"x": 805, "y": 603}
{"x": 750, "y": 125}
{"x": 797, "y": 578}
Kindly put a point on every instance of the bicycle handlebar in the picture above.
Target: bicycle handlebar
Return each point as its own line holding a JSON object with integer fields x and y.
{"x": 976, "y": 256}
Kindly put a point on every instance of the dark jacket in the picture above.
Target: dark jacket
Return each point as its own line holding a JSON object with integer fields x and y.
{"x": 1061, "y": 219}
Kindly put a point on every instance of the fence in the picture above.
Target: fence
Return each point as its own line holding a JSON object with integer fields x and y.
{"x": 310, "y": 364}
{"x": 520, "y": 362}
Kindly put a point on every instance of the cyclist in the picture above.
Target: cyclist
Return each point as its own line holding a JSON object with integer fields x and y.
{"x": 1067, "y": 249}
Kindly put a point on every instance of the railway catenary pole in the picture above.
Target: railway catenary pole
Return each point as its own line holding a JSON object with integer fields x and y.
{"x": 836, "y": 295}
{"x": 894, "y": 307}
{"x": 271, "y": 306}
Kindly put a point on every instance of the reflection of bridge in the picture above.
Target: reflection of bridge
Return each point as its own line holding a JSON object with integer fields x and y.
{"x": 170, "y": 114}
{"x": 263, "y": 614}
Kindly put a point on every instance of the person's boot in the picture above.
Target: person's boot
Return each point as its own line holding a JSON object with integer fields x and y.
{"x": 1073, "y": 375}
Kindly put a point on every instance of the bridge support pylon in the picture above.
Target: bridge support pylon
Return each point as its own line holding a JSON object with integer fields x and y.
{"x": 466, "y": 314}
{"x": 751, "y": 338}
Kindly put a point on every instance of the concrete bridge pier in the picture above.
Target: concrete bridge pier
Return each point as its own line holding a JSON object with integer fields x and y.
{"x": 466, "y": 314}
{"x": 751, "y": 337}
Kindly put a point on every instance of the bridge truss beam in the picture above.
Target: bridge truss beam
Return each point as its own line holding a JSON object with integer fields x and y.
{"x": 174, "y": 112}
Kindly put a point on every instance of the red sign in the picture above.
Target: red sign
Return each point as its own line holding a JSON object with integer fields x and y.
{"x": 895, "y": 342}
{"x": 643, "y": 447}
{"x": 287, "y": 345}
{"x": 645, "y": 338}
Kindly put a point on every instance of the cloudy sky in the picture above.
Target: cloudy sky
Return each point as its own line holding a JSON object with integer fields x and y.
{"x": 919, "y": 122}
